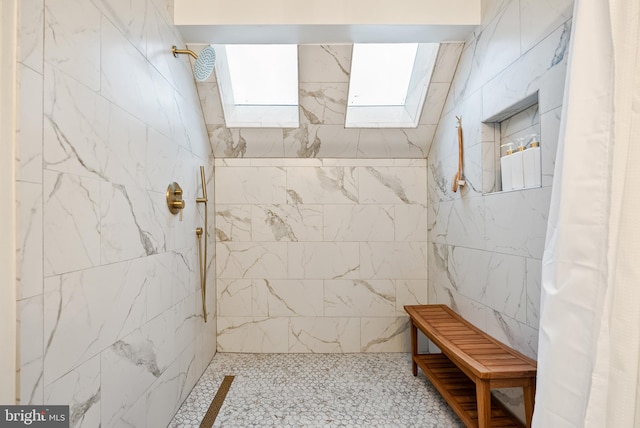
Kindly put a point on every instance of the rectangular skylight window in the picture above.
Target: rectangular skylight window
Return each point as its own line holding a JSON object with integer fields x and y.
{"x": 258, "y": 85}
{"x": 388, "y": 84}
{"x": 264, "y": 74}
{"x": 380, "y": 73}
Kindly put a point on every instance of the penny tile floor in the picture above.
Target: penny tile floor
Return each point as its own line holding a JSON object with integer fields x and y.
{"x": 317, "y": 390}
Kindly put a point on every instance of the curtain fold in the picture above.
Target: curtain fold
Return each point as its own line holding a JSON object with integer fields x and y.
{"x": 589, "y": 346}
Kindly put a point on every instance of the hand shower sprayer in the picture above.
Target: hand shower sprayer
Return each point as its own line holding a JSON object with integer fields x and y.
{"x": 199, "y": 233}
{"x": 205, "y": 61}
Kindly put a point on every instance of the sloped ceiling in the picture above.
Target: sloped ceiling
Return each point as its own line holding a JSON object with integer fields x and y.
{"x": 323, "y": 84}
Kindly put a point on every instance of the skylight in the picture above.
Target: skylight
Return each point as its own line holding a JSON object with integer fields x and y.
{"x": 258, "y": 85}
{"x": 264, "y": 75}
{"x": 388, "y": 84}
{"x": 380, "y": 74}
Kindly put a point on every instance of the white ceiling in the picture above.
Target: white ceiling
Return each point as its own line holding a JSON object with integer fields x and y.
{"x": 325, "y": 21}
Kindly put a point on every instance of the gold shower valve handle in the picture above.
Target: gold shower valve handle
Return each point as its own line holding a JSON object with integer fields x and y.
{"x": 175, "y": 203}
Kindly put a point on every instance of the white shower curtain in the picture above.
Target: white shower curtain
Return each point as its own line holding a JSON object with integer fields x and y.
{"x": 589, "y": 348}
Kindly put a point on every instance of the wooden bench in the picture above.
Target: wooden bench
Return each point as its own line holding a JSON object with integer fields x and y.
{"x": 470, "y": 365}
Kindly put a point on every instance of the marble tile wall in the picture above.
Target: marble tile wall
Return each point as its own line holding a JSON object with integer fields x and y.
{"x": 319, "y": 255}
{"x": 323, "y": 86}
{"x": 485, "y": 247}
{"x": 110, "y": 318}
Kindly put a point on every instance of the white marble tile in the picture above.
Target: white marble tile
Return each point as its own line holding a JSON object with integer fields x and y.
{"x": 138, "y": 88}
{"x": 126, "y": 142}
{"x": 323, "y": 103}
{"x": 549, "y": 136}
{"x": 463, "y": 270}
{"x": 160, "y": 277}
{"x": 359, "y": 298}
{"x": 132, "y": 364}
{"x": 165, "y": 395}
{"x": 529, "y": 74}
{"x": 393, "y": 260}
{"x": 29, "y": 126}
{"x": 505, "y": 286}
{"x": 391, "y": 142}
{"x": 259, "y": 298}
{"x": 135, "y": 416}
{"x": 446, "y": 62}
{"x": 469, "y": 309}
{"x": 410, "y": 222}
{"x": 434, "y": 103}
{"x": 491, "y": 8}
{"x": 211, "y": 103}
{"x": 253, "y": 335}
{"x": 72, "y": 40}
{"x": 324, "y": 335}
{"x": 385, "y": 335}
{"x": 185, "y": 273}
{"x": 534, "y": 283}
{"x": 384, "y": 185}
{"x": 160, "y": 37}
{"x": 471, "y": 114}
{"x": 286, "y": 298}
{"x": 489, "y": 52}
{"x": 521, "y": 121}
{"x": 234, "y": 297}
{"x": 259, "y": 142}
{"x": 324, "y": 63}
{"x": 491, "y": 181}
{"x": 30, "y": 363}
{"x": 162, "y": 160}
{"x": 233, "y": 222}
{"x": 516, "y": 222}
{"x": 460, "y": 222}
{"x": 165, "y": 7}
{"x": 86, "y": 311}
{"x": 124, "y": 234}
{"x": 287, "y": 222}
{"x": 31, "y": 34}
{"x": 75, "y": 126}
{"x": 323, "y": 260}
{"x": 29, "y": 268}
{"x": 251, "y": 260}
{"x": 410, "y": 292}
{"x": 321, "y": 141}
{"x": 359, "y": 223}
{"x": 79, "y": 389}
{"x": 190, "y": 130}
{"x": 129, "y": 17}
{"x": 189, "y": 318}
{"x": 71, "y": 223}
{"x": 326, "y": 185}
{"x": 539, "y": 18}
{"x": 515, "y": 334}
{"x": 262, "y": 185}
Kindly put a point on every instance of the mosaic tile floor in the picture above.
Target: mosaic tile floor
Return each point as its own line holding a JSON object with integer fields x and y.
{"x": 317, "y": 390}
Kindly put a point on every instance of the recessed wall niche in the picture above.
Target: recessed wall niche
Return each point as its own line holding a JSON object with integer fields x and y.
{"x": 516, "y": 125}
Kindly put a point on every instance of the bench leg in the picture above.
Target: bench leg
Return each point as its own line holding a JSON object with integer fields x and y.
{"x": 483, "y": 396}
{"x": 414, "y": 347}
{"x": 529, "y": 399}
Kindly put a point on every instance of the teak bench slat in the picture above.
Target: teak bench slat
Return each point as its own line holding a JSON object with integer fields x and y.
{"x": 470, "y": 365}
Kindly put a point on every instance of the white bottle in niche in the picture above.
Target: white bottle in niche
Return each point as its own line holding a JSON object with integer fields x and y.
{"x": 517, "y": 175}
{"x": 505, "y": 168}
{"x": 531, "y": 164}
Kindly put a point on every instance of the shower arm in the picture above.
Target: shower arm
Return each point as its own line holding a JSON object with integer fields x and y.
{"x": 199, "y": 233}
{"x": 177, "y": 51}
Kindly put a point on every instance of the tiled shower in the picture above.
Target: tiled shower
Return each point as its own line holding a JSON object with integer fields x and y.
{"x": 320, "y": 233}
